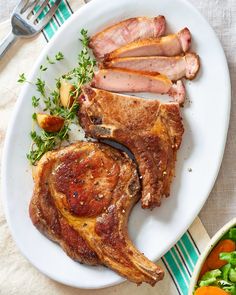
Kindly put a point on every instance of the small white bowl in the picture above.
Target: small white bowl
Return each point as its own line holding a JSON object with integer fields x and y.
{"x": 207, "y": 251}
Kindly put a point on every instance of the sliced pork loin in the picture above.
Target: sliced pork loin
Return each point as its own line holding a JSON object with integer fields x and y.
{"x": 175, "y": 68}
{"x": 150, "y": 129}
{"x": 170, "y": 45}
{"x": 123, "y": 80}
{"x": 125, "y": 32}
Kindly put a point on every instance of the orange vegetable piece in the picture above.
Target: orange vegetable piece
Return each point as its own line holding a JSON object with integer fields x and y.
{"x": 210, "y": 290}
{"x": 204, "y": 269}
{"x": 213, "y": 261}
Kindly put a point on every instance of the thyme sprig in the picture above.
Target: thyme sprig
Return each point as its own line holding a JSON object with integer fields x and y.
{"x": 22, "y": 78}
{"x": 43, "y": 141}
{"x": 84, "y": 72}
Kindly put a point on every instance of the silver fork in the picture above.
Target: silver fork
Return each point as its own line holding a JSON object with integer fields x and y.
{"x": 25, "y": 24}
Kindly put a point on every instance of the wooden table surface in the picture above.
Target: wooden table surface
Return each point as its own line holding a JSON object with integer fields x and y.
{"x": 221, "y": 204}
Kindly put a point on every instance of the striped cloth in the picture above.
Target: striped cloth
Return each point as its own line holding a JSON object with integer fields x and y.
{"x": 178, "y": 263}
{"x": 181, "y": 259}
{"x": 63, "y": 12}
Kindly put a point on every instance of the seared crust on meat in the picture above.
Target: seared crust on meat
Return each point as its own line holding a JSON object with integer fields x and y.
{"x": 150, "y": 129}
{"x": 50, "y": 222}
{"x": 82, "y": 200}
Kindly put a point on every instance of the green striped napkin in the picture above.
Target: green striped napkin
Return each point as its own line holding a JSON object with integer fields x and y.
{"x": 179, "y": 262}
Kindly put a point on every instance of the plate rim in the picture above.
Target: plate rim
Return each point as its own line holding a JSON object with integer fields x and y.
{"x": 19, "y": 102}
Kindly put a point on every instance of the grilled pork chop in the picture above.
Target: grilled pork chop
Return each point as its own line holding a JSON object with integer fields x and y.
{"x": 125, "y": 32}
{"x": 171, "y": 45}
{"x": 124, "y": 80}
{"x": 82, "y": 198}
{"x": 150, "y": 129}
{"x": 174, "y": 67}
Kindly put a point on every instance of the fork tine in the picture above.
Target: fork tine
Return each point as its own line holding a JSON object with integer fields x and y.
{"x": 30, "y": 8}
{"x": 48, "y": 16}
{"x": 21, "y": 5}
{"x": 42, "y": 6}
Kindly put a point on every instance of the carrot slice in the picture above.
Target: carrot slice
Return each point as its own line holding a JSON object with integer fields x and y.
{"x": 213, "y": 261}
{"x": 210, "y": 290}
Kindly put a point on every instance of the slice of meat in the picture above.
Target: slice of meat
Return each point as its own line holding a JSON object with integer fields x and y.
{"x": 170, "y": 45}
{"x": 124, "y": 80}
{"x": 125, "y": 32}
{"x": 175, "y": 68}
{"x": 151, "y": 130}
{"x": 82, "y": 199}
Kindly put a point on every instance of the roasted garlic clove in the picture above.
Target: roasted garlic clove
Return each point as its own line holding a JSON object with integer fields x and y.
{"x": 65, "y": 93}
{"x": 49, "y": 123}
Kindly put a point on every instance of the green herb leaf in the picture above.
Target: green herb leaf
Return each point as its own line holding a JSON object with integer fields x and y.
{"x": 85, "y": 38}
{"x": 49, "y": 60}
{"x": 43, "y": 68}
{"x": 40, "y": 86}
{"x": 59, "y": 56}
{"x": 58, "y": 83}
{"x": 34, "y": 116}
{"x": 22, "y": 78}
{"x": 83, "y": 73}
{"x": 35, "y": 101}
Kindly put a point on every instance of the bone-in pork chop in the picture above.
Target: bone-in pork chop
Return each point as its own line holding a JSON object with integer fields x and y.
{"x": 82, "y": 198}
{"x": 150, "y": 129}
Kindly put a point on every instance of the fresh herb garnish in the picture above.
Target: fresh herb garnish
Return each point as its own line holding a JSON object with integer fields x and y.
{"x": 35, "y": 101}
{"x": 40, "y": 86}
{"x": 22, "y": 78}
{"x": 43, "y": 68}
{"x": 50, "y": 61}
{"x": 43, "y": 141}
{"x": 59, "y": 56}
{"x": 84, "y": 72}
{"x": 34, "y": 116}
